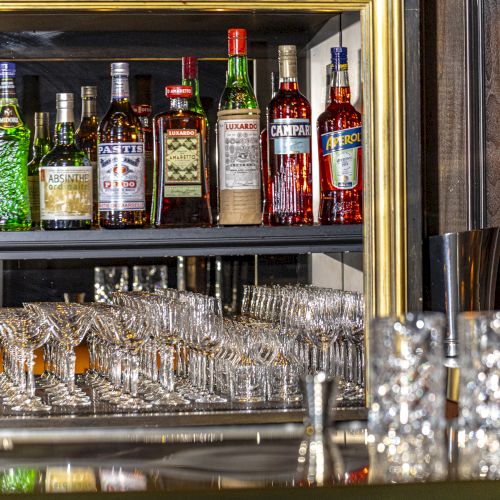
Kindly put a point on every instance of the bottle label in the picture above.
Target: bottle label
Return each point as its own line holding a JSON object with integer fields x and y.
{"x": 182, "y": 164}
{"x": 239, "y": 148}
{"x": 34, "y": 191}
{"x": 66, "y": 193}
{"x": 342, "y": 147}
{"x": 121, "y": 176}
{"x": 290, "y": 135}
{"x": 9, "y": 117}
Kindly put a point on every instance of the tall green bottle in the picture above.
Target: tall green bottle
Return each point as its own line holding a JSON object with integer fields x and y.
{"x": 238, "y": 134}
{"x": 41, "y": 146}
{"x": 14, "y": 149}
{"x": 190, "y": 78}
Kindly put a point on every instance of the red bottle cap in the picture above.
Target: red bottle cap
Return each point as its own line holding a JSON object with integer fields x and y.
{"x": 189, "y": 68}
{"x": 237, "y": 41}
{"x": 173, "y": 91}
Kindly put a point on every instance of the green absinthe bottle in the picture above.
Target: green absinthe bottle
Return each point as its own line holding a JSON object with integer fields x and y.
{"x": 14, "y": 149}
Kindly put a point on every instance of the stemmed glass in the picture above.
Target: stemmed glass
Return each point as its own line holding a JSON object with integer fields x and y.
{"x": 24, "y": 331}
{"x": 69, "y": 324}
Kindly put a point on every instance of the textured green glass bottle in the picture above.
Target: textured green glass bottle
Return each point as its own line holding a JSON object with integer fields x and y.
{"x": 238, "y": 134}
{"x": 14, "y": 149}
{"x": 41, "y": 146}
{"x": 65, "y": 176}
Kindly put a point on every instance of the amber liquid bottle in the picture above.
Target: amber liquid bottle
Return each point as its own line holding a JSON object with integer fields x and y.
{"x": 121, "y": 159}
{"x": 289, "y": 187}
{"x": 86, "y": 138}
{"x": 340, "y": 151}
{"x": 182, "y": 194}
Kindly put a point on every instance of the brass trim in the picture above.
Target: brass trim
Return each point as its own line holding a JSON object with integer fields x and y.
{"x": 382, "y": 21}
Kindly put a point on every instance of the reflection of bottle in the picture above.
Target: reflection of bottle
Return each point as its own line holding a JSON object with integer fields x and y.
{"x": 70, "y": 479}
{"x": 41, "y": 146}
{"x": 65, "y": 176}
{"x": 18, "y": 480}
{"x": 14, "y": 149}
{"x": 238, "y": 140}
{"x": 289, "y": 188}
{"x": 182, "y": 193}
{"x": 86, "y": 138}
{"x": 121, "y": 159}
{"x": 340, "y": 152}
{"x": 143, "y": 110}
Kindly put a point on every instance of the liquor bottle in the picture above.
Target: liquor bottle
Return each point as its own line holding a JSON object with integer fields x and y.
{"x": 86, "y": 139}
{"x": 121, "y": 159}
{"x": 289, "y": 187}
{"x": 340, "y": 151}
{"x": 65, "y": 176}
{"x": 143, "y": 109}
{"x": 41, "y": 146}
{"x": 264, "y": 164}
{"x": 14, "y": 150}
{"x": 190, "y": 78}
{"x": 182, "y": 193}
{"x": 238, "y": 134}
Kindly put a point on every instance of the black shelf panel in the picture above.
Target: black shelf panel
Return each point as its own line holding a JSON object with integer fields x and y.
{"x": 241, "y": 240}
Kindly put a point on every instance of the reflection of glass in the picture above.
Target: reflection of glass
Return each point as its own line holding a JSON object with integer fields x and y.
{"x": 407, "y": 380}
{"x": 118, "y": 479}
{"x": 18, "y": 480}
{"x": 479, "y": 454}
{"x": 108, "y": 280}
{"x": 149, "y": 278}
{"x": 70, "y": 479}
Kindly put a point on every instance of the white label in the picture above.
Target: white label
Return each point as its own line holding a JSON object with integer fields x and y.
{"x": 121, "y": 176}
{"x": 239, "y": 153}
{"x": 66, "y": 193}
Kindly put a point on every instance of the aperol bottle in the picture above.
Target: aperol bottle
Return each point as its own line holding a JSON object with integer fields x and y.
{"x": 340, "y": 151}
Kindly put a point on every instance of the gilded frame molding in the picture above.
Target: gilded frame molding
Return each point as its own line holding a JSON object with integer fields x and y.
{"x": 385, "y": 255}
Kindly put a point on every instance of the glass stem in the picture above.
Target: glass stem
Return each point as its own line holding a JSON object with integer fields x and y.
{"x": 134, "y": 375}
{"x": 70, "y": 374}
{"x": 31, "y": 376}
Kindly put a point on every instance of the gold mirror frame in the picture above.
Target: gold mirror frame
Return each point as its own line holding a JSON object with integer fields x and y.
{"x": 382, "y": 31}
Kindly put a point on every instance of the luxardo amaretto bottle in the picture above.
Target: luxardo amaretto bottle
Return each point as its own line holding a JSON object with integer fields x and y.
{"x": 289, "y": 187}
{"x": 42, "y": 144}
{"x": 86, "y": 138}
{"x": 340, "y": 151}
{"x": 121, "y": 159}
{"x": 238, "y": 133}
{"x": 65, "y": 176}
{"x": 14, "y": 150}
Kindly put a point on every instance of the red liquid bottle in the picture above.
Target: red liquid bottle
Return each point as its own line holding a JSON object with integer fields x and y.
{"x": 340, "y": 151}
{"x": 289, "y": 186}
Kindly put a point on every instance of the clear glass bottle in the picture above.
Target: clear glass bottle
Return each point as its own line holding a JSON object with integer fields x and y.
{"x": 289, "y": 186}
{"x": 86, "y": 138}
{"x": 238, "y": 134}
{"x": 42, "y": 144}
{"x": 14, "y": 150}
{"x": 182, "y": 193}
{"x": 65, "y": 176}
{"x": 340, "y": 150}
{"x": 121, "y": 159}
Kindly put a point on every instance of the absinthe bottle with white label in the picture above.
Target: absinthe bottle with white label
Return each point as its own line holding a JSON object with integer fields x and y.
{"x": 65, "y": 176}
{"x": 238, "y": 134}
{"x": 182, "y": 193}
{"x": 121, "y": 159}
{"x": 289, "y": 182}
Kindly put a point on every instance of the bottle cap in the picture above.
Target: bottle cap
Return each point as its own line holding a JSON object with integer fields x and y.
{"x": 189, "y": 68}
{"x": 89, "y": 91}
{"x": 7, "y": 69}
{"x": 287, "y": 60}
{"x": 119, "y": 68}
{"x": 339, "y": 58}
{"x": 176, "y": 91}
{"x": 41, "y": 118}
{"x": 237, "y": 41}
{"x": 287, "y": 51}
{"x": 64, "y": 101}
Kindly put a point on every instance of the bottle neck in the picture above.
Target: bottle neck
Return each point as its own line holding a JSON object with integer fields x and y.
{"x": 8, "y": 90}
{"x": 120, "y": 88}
{"x": 89, "y": 107}
{"x": 288, "y": 73}
{"x": 237, "y": 69}
{"x": 289, "y": 85}
{"x": 64, "y": 134}
{"x": 340, "y": 92}
{"x": 41, "y": 141}
{"x": 179, "y": 104}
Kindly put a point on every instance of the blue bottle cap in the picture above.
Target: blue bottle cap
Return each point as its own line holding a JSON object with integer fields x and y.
{"x": 7, "y": 69}
{"x": 339, "y": 58}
